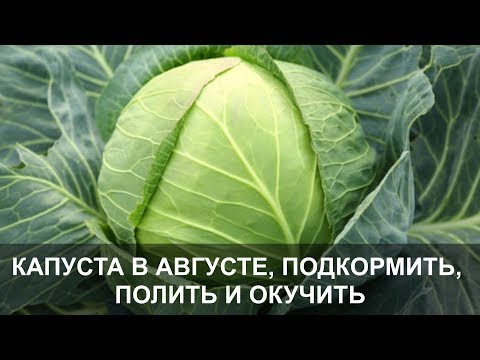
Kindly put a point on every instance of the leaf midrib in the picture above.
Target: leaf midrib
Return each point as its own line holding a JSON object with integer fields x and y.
{"x": 347, "y": 64}
{"x": 60, "y": 190}
{"x": 422, "y": 227}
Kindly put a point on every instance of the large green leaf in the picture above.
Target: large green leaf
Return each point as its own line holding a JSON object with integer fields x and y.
{"x": 50, "y": 200}
{"x": 447, "y": 181}
{"x": 96, "y": 64}
{"x": 442, "y": 57}
{"x": 25, "y": 117}
{"x": 373, "y": 77}
{"x": 345, "y": 159}
{"x": 445, "y": 151}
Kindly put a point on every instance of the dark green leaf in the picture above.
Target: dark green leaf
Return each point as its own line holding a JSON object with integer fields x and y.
{"x": 51, "y": 199}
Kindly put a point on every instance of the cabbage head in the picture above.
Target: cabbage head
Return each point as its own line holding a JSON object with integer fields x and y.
{"x": 233, "y": 156}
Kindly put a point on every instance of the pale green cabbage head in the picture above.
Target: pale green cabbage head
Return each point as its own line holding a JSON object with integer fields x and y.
{"x": 223, "y": 152}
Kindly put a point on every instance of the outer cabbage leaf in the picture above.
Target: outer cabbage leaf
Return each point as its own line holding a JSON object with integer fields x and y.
{"x": 47, "y": 205}
{"x": 25, "y": 117}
